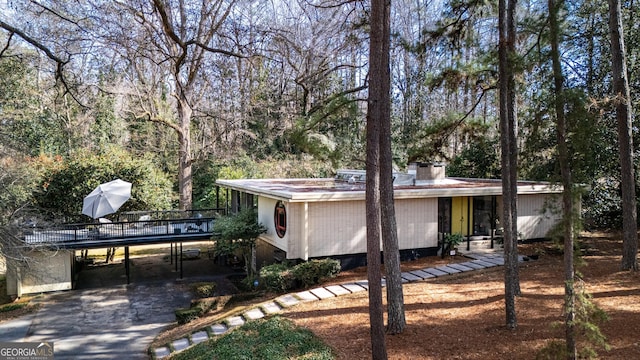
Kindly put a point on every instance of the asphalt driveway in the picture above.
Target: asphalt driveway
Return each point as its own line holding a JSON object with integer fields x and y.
{"x": 107, "y": 319}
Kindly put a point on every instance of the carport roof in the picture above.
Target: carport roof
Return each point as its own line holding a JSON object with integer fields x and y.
{"x": 329, "y": 189}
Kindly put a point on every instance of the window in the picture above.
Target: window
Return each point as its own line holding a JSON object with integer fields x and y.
{"x": 483, "y": 215}
{"x": 280, "y": 219}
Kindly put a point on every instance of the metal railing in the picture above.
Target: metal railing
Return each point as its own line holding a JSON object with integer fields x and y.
{"x": 143, "y": 215}
{"x": 121, "y": 230}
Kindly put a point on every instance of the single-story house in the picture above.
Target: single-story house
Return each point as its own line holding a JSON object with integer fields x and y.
{"x": 318, "y": 218}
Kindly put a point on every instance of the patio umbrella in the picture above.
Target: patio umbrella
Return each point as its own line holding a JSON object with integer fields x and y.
{"x": 106, "y": 198}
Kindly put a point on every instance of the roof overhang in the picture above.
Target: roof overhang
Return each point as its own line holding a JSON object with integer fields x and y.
{"x": 317, "y": 190}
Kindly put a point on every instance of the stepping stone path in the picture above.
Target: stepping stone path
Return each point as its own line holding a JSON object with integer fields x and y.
{"x": 478, "y": 261}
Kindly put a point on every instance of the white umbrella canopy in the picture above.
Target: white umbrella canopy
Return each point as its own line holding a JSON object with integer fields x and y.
{"x": 106, "y": 198}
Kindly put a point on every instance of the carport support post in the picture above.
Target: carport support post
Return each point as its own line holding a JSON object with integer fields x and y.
{"x": 171, "y": 256}
{"x": 126, "y": 264}
{"x": 175, "y": 252}
{"x": 181, "y": 260}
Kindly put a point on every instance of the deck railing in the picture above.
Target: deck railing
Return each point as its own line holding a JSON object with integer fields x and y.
{"x": 122, "y": 230}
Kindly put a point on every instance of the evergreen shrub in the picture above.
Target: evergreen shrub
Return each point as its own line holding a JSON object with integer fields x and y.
{"x": 282, "y": 277}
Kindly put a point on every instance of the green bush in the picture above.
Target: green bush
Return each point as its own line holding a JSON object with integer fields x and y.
{"x": 184, "y": 316}
{"x": 203, "y": 289}
{"x": 314, "y": 271}
{"x": 13, "y": 306}
{"x": 198, "y": 308}
{"x": 282, "y": 277}
{"x": 63, "y": 187}
{"x": 273, "y": 338}
{"x": 453, "y": 240}
{"x": 277, "y": 277}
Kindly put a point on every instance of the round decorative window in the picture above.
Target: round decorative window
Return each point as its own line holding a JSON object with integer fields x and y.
{"x": 280, "y": 219}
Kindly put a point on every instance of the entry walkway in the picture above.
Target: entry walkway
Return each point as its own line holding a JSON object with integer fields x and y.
{"x": 477, "y": 261}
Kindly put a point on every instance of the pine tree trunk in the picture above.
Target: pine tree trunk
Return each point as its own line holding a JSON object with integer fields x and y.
{"x": 395, "y": 298}
{"x": 622, "y": 99}
{"x": 567, "y": 182}
{"x": 376, "y": 103}
{"x": 509, "y": 151}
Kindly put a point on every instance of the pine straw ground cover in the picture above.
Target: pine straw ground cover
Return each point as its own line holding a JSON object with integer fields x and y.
{"x": 462, "y": 317}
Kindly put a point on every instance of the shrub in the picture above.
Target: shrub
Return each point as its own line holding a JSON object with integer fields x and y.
{"x": 282, "y": 277}
{"x": 198, "y": 308}
{"x": 184, "y": 316}
{"x": 203, "y": 289}
{"x": 273, "y": 338}
{"x": 277, "y": 277}
{"x": 314, "y": 271}
{"x": 453, "y": 240}
{"x": 13, "y": 306}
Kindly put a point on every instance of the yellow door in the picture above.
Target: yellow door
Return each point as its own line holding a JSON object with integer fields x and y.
{"x": 460, "y": 215}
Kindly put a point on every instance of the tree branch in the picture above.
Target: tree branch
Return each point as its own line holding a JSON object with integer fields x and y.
{"x": 61, "y": 63}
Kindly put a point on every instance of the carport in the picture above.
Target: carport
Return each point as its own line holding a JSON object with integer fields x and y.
{"x": 51, "y": 254}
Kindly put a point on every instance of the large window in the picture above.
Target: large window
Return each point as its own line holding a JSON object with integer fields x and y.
{"x": 280, "y": 219}
{"x": 483, "y": 215}
{"x": 444, "y": 215}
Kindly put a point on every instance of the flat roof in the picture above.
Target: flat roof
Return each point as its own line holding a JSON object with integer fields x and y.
{"x": 330, "y": 189}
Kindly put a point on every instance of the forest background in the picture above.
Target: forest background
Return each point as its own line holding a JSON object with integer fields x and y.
{"x": 172, "y": 95}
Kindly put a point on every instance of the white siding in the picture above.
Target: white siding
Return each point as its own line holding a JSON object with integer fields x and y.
{"x": 296, "y": 231}
{"x": 266, "y": 208}
{"x": 336, "y": 228}
{"x": 417, "y": 221}
{"x": 318, "y": 229}
{"x": 537, "y": 214}
{"x": 47, "y": 271}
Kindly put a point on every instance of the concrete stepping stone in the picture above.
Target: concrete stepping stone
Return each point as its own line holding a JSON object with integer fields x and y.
{"x": 287, "y": 300}
{"x": 235, "y": 321}
{"x": 253, "y": 314}
{"x": 447, "y": 269}
{"x": 161, "y": 352}
{"x": 460, "y": 267}
{"x": 480, "y": 261}
{"x": 497, "y": 261}
{"x": 338, "y": 290}
{"x": 199, "y": 337}
{"x": 422, "y": 274}
{"x": 473, "y": 265}
{"x": 271, "y": 307}
{"x": 486, "y": 264}
{"x": 353, "y": 287}
{"x": 475, "y": 256}
{"x": 306, "y": 296}
{"x": 410, "y": 277}
{"x": 363, "y": 283}
{"x": 435, "y": 272}
{"x": 218, "y": 329}
{"x": 322, "y": 293}
{"x": 180, "y": 344}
